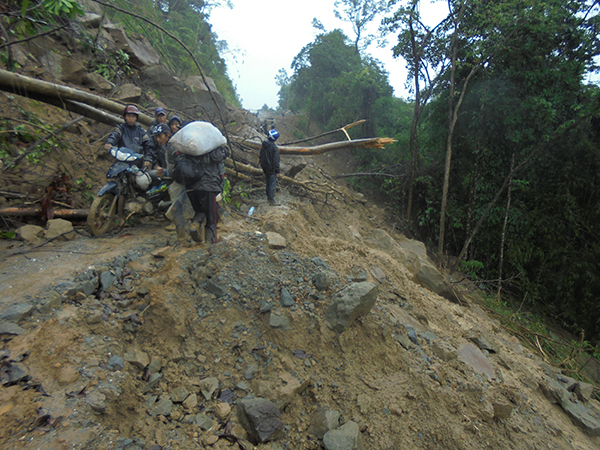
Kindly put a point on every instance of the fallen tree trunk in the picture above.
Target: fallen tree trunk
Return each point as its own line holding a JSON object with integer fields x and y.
{"x": 37, "y": 211}
{"x": 324, "y": 148}
{"x": 242, "y": 169}
{"x": 22, "y": 85}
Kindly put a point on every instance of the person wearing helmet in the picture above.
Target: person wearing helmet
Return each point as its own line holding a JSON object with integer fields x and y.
{"x": 158, "y": 154}
{"x": 130, "y": 134}
{"x": 175, "y": 124}
{"x": 160, "y": 117}
{"x": 269, "y": 161}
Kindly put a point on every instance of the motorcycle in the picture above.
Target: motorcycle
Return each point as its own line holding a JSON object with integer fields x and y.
{"x": 142, "y": 191}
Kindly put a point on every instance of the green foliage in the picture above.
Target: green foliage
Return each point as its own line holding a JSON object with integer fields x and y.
{"x": 68, "y": 8}
{"x": 529, "y": 103}
{"x": 471, "y": 268}
{"x": 333, "y": 84}
{"x": 15, "y": 137}
{"x": 112, "y": 66}
{"x": 8, "y": 235}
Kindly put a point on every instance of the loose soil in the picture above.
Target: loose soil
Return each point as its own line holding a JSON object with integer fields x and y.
{"x": 205, "y": 311}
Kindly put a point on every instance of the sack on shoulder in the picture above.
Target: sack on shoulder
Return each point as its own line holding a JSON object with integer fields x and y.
{"x": 187, "y": 170}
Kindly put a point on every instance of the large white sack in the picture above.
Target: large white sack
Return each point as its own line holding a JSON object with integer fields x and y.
{"x": 197, "y": 138}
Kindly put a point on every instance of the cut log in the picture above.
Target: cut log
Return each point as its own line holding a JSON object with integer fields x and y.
{"x": 22, "y": 85}
{"x": 37, "y": 211}
{"x": 324, "y": 148}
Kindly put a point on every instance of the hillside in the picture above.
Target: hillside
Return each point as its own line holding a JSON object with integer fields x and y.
{"x": 311, "y": 324}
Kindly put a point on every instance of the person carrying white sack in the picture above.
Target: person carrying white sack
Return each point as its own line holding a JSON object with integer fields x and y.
{"x": 197, "y": 153}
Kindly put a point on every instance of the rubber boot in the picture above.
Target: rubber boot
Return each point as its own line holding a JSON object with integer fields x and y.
{"x": 197, "y": 232}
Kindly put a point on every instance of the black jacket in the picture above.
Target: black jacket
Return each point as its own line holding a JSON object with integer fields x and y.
{"x": 134, "y": 138}
{"x": 201, "y": 173}
{"x": 269, "y": 157}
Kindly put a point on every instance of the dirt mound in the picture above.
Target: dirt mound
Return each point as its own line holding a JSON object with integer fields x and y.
{"x": 131, "y": 363}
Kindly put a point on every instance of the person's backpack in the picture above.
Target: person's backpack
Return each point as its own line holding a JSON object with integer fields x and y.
{"x": 187, "y": 169}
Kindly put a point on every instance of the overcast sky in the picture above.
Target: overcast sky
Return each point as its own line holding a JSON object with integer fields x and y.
{"x": 264, "y": 36}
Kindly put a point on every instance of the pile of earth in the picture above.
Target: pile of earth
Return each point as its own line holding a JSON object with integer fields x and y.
{"x": 130, "y": 341}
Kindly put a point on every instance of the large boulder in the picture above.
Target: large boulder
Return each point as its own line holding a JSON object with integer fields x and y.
{"x": 351, "y": 302}
{"x": 141, "y": 53}
{"x": 195, "y": 99}
{"x": 260, "y": 418}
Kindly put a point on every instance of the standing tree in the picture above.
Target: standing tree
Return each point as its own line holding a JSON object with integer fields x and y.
{"x": 423, "y": 49}
{"x": 360, "y": 13}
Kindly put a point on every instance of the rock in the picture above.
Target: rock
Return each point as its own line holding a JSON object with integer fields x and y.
{"x": 190, "y": 402}
{"x": 285, "y": 298}
{"x": 347, "y": 437}
{"x": 358, "y": 274}
{"x": 179, "y": 394}
{"x": 324, "y": 280}
{"x": 215, "y": 289}
{"x": 584, "y": 391}
{"x": 197, "y": 102}
{"x": 94, "y": 317}
{"x": 107, "y": 279}
{"x": 279, "y": 320}
{"x": 16, "y": 313}
{"x": 323, "y": 421}
{"x": 444, "y": 351}
{"x": 260, "y": 418}
{"x": 275, "y": 240}
{"x": 204, "y": 422}
{"x": 155, "y": 365}
{"x": 140, "y": 52}
{"x": 10, "y": 328}
{"x": 137, "y": 357}
{"x": 90, "y": 20}
{"x": 128, "y": 93}
{"x": 354, "y": 301}
{"x": 51, "y": 301}
{"x": 13, "y": 373}
{"x": 97, "y": 401}
{"x": 293, "y": 387}
{"x": 196, "y": 82}
{"x": 32, "y": 234}
{"x": 378, "y": 274}
{"x": 208, "y": 386}
{"x": 431, "y": 278}
{"x": 96, "y": 82}
{"x": 474, "y": 358}
{"x": 162, "y": 407}
{"x": 115, "y": 363}
{"x": 250, "y": 371}
{"x": 222, "y": 411}
{"x": 318, "y": 261}
{"x": 60, "y": 229}
{"x": 152, "y": 382}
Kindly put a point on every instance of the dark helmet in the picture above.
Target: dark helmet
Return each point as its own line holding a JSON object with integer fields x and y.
{"x": 161, "y": 128}
{"x": 131, "y": 109}
{"x": 175, "y": 118}
{"x": 273, "y": 134}
{"x": 160, "y": 111}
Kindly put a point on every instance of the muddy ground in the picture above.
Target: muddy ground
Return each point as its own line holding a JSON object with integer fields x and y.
{"x": 212, "y": 324}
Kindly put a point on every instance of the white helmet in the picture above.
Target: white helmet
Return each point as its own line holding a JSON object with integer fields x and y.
{"x": 143, "y": 180}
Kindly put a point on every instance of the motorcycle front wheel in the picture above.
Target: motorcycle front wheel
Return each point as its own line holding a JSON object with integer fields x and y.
{"x": 102, "y": 215}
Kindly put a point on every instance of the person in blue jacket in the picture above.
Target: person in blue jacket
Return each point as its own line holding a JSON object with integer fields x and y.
{"x": 269, "y": 161}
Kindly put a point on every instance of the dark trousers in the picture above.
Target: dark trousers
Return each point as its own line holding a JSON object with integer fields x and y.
{"x": 205, "y": 207}
{"x": 271, "y": 179}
